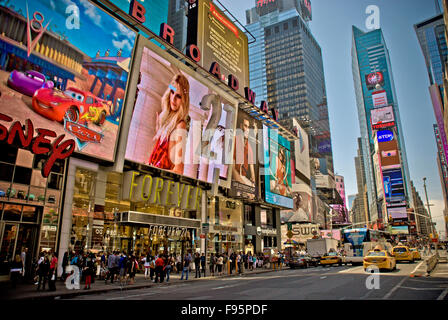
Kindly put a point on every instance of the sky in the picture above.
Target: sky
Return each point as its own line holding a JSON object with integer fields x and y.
{"x": 97, "y": 30}
{"x": 332, "y": 28}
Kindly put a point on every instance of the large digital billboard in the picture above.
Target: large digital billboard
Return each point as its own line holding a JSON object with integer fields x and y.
{"x": 223, "y": 46}
{"x": 382, "y": 118}
{"x": 379, "y": 98}
{"x": 393, "y": 186}
{"x": 65, "y": 67}
{"x": 277, "y": 173}
{"x": 389, "y": 155}
{"x": 303, "y": 204}
{"x": 245, "y": 169}
{"x": 178, "y": 123}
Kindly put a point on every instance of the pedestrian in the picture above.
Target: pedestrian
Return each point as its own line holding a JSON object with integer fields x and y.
{"x": 133, "y": 267}
{"x": 245, "y": 261}
{"x": 65, "y": 262}
{"x": 160, "y": 264}
{"x": 168, "y": 267}
{"x": 239, "y": 261}
{"x": 219, "y": 264}
{"x": 43, "y": 266}
{"x": 203, "y": 263}
{"x": 197, "y": 265}
{"x": 152, "y": 268}
{"x": 111, "y": 265}
{"x": 179, "y": 263}
{"x": 186, "y": 266}
{"x": 212, "y": 264}
{"x": 250, "y": 261}
{"x": 122, "y": 263}
{"x": 52, "y": 272}
{"x": 88, "y": 270}
{"x": 146, "y": 260}
{"x": 16, "y": 270}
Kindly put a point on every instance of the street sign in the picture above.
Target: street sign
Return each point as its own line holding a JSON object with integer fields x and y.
{"x": 205, "y": 228}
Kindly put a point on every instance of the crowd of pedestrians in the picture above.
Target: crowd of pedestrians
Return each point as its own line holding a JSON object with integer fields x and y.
{"x": 84, "y": 268}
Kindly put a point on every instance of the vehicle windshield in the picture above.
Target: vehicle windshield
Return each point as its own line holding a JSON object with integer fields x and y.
{"x": 34, "y": 77}
{"x": 74, "y": 95}
{"x": 413, "y": 249}
{"x": 377, "y": 254}
{"x": 332, "y": 254}
{"x": 400, "y": 249}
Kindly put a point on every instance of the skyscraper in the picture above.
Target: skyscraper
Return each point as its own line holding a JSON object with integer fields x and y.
{"x": 286, "y": 71}
{"x": 432, "y": 39}
{"x": 384, "y": 153}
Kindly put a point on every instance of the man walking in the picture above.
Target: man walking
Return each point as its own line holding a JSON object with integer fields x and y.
{"x": 186, "y": 267}
{"x": 203, "y": 260}
{"x": 197, "y": 265}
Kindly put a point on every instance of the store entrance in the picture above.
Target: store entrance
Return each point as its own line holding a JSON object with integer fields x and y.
{"x": 14, "y": 237}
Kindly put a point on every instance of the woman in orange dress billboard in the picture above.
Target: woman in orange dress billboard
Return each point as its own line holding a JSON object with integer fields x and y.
{"x": 171, "y": 124}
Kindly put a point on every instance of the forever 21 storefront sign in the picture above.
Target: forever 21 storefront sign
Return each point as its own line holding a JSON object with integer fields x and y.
{"x": 23, "y": 137}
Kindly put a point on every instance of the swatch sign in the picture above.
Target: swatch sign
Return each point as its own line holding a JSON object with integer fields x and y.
{"x": 385, "y": 136}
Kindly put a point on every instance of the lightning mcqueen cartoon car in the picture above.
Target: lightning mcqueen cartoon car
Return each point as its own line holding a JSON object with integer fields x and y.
{"x": 76, "y": 105}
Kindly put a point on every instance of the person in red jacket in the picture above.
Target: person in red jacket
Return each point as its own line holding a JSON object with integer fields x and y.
{"x": 160, "y": 264}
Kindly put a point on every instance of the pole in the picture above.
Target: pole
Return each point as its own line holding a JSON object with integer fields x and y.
{"x": 433, "y": 231}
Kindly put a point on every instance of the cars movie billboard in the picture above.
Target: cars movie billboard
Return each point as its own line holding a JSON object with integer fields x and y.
{"x": 65, "y": 66}
{"x": 178, "y": 123}
{"x": 223, "y": 46}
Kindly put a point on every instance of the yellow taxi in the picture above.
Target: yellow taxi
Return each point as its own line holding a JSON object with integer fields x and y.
{"x": 402, "y": 253}
{"x": 416, "y": 254}
{"x": 381, "y": 259}
{"x": 330, "y": 259}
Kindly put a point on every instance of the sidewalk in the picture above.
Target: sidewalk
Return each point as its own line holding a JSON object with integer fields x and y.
{"x": 29, "y": 291}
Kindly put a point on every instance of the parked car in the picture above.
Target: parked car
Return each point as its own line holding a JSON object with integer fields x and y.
{"x": 331, "y": 258}
{"x": 416, "y": 253}
{"x": 75, "y": 104}
{"x": 402, "y": 253}
{"x": 381, "y": 259}
{"x": 28, "y": 82}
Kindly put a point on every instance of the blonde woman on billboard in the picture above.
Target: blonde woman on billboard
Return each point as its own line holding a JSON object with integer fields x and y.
{"x": 280, "y": 184}
{"x": 171, "y": 126}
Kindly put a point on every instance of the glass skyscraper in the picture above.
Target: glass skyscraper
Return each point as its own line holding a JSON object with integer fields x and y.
{"x": 370, "y": 55}
{"x": 286, "y": 71}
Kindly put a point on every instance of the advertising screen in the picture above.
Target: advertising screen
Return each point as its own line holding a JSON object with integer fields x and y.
{"x": 393, "y": 186}
{"x": 178, "y": 123}
{"x": 303, "y": 204}
{"x": 389, "y": 154}
{"x": 374, "y": 78}
{"x": 382, "y": 117}
{"x": 277, "y": 161}
{"x": 65, "y": 67}
{"x": 379, "y": 98}
{"x": 397, "y": 213}
{"x": 400, "y": 230}
{"x": 301, "y": 150}
{"x": 306, "y": 9}
{"x": 384, "y": 135}
{"x": 245, "y": 166}
{"x": 219, "y": 40}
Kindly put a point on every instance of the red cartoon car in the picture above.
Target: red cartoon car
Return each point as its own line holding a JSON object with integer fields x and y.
{"x": 74, "y": 104}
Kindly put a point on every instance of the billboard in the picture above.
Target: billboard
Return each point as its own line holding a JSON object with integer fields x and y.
{"x": 277, "y": 161}
{"x": 223, "y": 46}
{"x": 389, "y": 154}
{"x": 393, "y": 186}
{"x": 61, "y": 77}
{"x": 302, "y": 151}
{"x": 305, "y": 6}
{"x": 302, "y": 210}
{"x": 374, "y": 78}
{"x": 400, "y": 230}
{"x": 397, "y": 213}
{"x": 245, "y": 169}
{"x": 382, "y": 118}
{"x": 321, "y": 175}
{"x": 334, "y": 233}
{"x": 178, "y": 123}
{"x": 438, "y": 112}
{"x": 379, "y": 98}
{"x": 384, "y": 135}
{"x": 300, "y": 232}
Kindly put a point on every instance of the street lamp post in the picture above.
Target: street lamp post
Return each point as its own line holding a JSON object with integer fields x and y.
{"x": 433, "y": 231}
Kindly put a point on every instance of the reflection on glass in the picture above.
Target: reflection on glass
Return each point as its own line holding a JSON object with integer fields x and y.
{"x": 29, "y": 214}
{"x": 12, "y": 212}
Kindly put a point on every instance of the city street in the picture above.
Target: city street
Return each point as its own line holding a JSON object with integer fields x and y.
{"x": 322, "y": 283}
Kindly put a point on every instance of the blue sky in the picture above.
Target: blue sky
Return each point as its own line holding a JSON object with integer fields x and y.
{"x": 331, "y": 26}
{"x": 97, "y": 30}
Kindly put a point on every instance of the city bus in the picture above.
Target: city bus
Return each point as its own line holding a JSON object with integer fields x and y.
{"x": 358, "y": 242}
